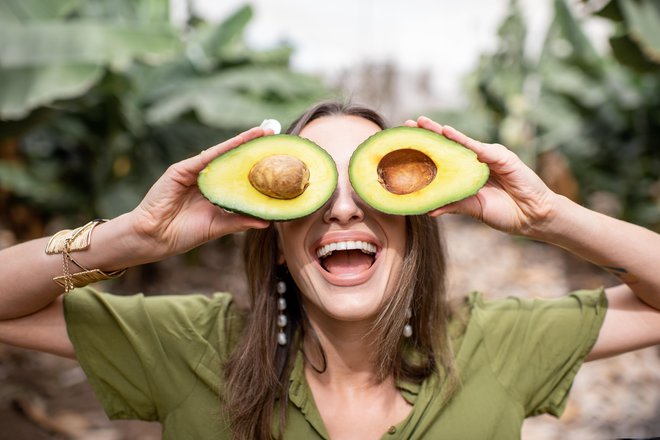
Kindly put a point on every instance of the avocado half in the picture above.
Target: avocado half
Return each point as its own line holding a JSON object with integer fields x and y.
{"x": 408, "y": 171}
{"x": 279, "y": 177}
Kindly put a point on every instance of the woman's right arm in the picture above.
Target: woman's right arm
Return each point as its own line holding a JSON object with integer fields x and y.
{"x": 172, "y": 218}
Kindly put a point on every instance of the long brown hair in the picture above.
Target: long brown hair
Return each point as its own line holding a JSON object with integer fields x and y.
{"x": 257, "y": 374}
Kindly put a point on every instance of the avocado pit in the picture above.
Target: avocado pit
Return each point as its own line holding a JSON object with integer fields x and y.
{"x": 280, "y": 176}
{"x": 405, "y": 171}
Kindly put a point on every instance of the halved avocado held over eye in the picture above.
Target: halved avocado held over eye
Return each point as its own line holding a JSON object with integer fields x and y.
{"x": 280, "y": 177}
{"x": 407, "y": 171}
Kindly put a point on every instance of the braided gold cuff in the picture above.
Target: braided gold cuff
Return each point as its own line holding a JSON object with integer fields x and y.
{"x": 67, "y": 241}
{"x": 81, "y": 279}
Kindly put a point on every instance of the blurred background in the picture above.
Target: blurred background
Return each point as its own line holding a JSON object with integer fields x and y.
{"x": 97, "y": 98}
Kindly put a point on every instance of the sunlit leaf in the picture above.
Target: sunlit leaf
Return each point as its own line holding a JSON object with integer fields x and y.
{"x": 238, "y": 97}
{"x": 113, "y": 94}
{"x": 38, "y": 44}
{"x": 607, "y": 9}
{"x": 603, "y": 116}
{"x": 26, "y": 88}
{"x": 215, "y": 38}
{"x": 18, "y": 180}
{"x": 22, "y": 11}
{"x": 566, "y": 42}
{"x": 643, "y": 20}
{"x": 127, "y": 11}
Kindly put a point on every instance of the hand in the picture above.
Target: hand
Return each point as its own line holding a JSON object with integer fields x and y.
{"x": 174, "y": 217}
{"x": 514, "y": 200}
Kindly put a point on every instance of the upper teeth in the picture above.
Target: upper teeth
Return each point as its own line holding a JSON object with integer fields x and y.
{"x": 365, "y": 247}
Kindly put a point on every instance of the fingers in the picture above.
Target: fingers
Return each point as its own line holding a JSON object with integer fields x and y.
{"x": 206, "y": 156}
{"x": 244, "y": 222}
{"x": 233, "y": 223}
{"x": 486, "y": 153}
{"x": 469, "y": 206}
{"x": 498, "y": 158}
{"x": 429, "y": 124}
{"x": 186, "y": 171}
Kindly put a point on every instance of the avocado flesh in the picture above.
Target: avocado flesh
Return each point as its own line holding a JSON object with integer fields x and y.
{"x": 446, "y": 171}
{"x": 225, "y": 181}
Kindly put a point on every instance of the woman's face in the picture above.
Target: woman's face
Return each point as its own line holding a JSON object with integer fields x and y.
{"x": 345, "y": 257}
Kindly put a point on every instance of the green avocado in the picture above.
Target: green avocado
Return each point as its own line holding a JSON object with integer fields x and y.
{"x": 280, "y": 177}
{"x": 408, "y": 171}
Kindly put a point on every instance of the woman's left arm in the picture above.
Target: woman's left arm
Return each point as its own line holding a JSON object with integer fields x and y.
{"x": 516, "y": 200}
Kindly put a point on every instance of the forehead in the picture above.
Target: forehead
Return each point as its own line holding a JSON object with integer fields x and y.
{"x": 339, "y": 135}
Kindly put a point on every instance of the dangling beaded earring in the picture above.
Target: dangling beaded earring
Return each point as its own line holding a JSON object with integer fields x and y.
{"x": 407, "y": 329}
{"x": 281, "y": 318}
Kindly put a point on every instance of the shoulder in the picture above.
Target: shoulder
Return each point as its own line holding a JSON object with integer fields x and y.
{"x": 503, "y": 311}
{"x": 195, "y": 306}
{"x": 215, "y": 318}
{"x": 532, "y": 347}
{"x": 526, "y": 326}
{"x": 144, "y": 356}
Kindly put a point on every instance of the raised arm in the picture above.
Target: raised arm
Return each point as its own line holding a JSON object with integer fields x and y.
{"x": 516, "y": 200}
{"x": 173, "y": 218}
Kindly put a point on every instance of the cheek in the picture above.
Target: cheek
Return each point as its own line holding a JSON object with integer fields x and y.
{"x": 396, "y": 230}
{"x": 281, "y": 239}
{"x": 290, "y": 240}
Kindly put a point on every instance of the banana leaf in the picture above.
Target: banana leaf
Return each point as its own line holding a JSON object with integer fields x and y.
{"x": 643, "y": 20}
{"x": 19, "y": 181}
{"x": 126, "y": 11}
{"x": 238, "y": 98}
{"x": 42, "y": 62}
{"x": 27, "y": 88}
{"x": 566, "y": 42}
{"x": 217, "y": 39}
{"x": 629, "y": 53}
{"x": 43, "y": 43}
{"x": 21, "y": 11}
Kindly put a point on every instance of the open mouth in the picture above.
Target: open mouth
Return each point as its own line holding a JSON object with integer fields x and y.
{"x": 345, "y": 258}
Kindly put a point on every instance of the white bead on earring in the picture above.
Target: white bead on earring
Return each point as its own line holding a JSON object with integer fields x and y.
{"x": 281, "y": 318}
{"x": 407, "y": 329}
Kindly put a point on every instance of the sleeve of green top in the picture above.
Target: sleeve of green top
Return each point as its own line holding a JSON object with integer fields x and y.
{"x": 131, "y": 346}
{"x": 536, "y": 346}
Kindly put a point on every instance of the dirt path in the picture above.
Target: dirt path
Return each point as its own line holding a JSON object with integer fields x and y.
{"x": 44, "y": 397}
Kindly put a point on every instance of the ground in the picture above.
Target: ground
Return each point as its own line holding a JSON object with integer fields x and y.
{"x": 45, "y": 397}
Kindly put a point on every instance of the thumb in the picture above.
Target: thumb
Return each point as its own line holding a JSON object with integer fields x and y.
{"x": 469, "y": 206}
{"x": 233, "y": 223}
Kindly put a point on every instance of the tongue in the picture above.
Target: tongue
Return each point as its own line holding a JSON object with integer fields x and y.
{"x": 347, "y": 262}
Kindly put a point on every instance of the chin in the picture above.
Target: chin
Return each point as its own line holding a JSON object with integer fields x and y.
{"x": 351, "y": 303}
{"x": 358, "y": 291}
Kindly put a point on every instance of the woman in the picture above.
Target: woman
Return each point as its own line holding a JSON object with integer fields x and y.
{"x": 344, "y": 344}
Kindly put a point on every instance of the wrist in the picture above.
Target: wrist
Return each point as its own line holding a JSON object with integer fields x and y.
{"x": 71, "y": 241}
{"x": 115, "y": 245}
{"x": 557, "y": 219}
{"x": 569, "y": 225}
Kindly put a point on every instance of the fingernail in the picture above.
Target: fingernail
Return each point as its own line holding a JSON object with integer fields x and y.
{"x": 272, "y": 124}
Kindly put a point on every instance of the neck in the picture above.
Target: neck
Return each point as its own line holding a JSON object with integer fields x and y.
{"x": 347, "y": 351}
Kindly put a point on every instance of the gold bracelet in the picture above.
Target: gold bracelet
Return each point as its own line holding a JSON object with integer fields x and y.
{"x": 67, "y": 241}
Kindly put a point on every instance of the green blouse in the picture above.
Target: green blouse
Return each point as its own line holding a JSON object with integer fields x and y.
{"x": 160, "y": 359}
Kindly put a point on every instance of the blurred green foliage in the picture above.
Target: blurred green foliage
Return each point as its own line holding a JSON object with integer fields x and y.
{"x": 600, "y": 111}
{"x": 97, "y": 98}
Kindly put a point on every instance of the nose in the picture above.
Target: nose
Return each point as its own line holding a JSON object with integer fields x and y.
{"x": 343, "y": 207}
